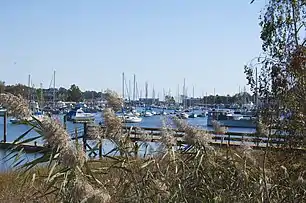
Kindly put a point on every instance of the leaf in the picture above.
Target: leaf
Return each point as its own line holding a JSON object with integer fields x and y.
{"x": 37, "y": 161}
{"x": 147, "y": 163}
{"x": 18, "y": 163}
{"x": 22, "y": 136}
{"x": 29, "y": 140}
{"x": 51, "y": 171}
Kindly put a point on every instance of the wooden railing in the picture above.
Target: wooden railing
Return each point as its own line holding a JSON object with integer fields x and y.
{"x": 230, "y": 138}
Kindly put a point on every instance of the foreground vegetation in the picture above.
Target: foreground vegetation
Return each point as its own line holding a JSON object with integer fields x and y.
{"x": 214, "y": 175}
{"x": 196, "y": 173}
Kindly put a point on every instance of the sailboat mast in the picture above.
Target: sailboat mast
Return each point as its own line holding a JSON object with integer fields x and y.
{"x": 54, "y": 88}
{"x": 214, "y": 96}
{"x": 184, "y": 92}
{"x": 129, "y": 91}
{"x": 146, "y": 94}
{"x": 29, "y": 87}
{"x": 123, "y": 95}
{"x": 193, "y": 92}
{"x": 146, "y": 90}
{"x": 41, "y": 95}
{"x": 134, "y": 89}
{"x": 178, "y": 94}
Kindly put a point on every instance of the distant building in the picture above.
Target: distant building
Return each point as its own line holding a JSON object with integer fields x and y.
{"x": 149, "y": 101}
{"x": 48, "y": 94}
{"x": 194, "y": 101}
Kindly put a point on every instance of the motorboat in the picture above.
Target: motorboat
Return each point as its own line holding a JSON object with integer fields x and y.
{"x": 81, "y": 116}
{"x": 147, "y": 114}
{"x": 131, "y": 119}
{"x": 15, "y": 120}
{"x": 228, "y": 118}
{"x": 183, "y": 115}
{"x": 193, "y": 115}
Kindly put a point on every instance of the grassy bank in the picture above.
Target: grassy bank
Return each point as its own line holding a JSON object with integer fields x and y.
{"x": 210, "y": 175}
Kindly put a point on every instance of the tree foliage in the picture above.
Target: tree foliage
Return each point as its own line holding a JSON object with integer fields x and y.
{"x": 75, "y": 94}
{"x": 282, "y": 79}
{"x": 2, "y": 86}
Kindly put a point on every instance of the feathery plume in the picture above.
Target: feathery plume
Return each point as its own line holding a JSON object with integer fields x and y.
{"x": 83, "y": 192}
{"x": 16, "y": 105}
{"x": 72, "y": 156}
{"x": 193, "y": 135}
{"x": 113, "y": 100}
{"x": 95, "y": 132}
{"x": 112, "y": 122}
{"x": 54, "y": 134}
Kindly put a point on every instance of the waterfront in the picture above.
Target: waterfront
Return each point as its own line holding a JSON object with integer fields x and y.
{"x": 14, "y": 131}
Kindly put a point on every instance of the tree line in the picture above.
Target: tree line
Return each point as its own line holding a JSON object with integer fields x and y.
{"x": 73, "y": 94}
{"x": 76, "y": 95}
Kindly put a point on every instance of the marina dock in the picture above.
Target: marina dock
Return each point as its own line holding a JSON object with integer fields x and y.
{"x": 136, "y": 134}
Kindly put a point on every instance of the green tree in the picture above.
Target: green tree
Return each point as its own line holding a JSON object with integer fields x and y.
{"x": 18, "y": 89}
{"x": 62, "y": 94}
{"x": 75, "y": 94}
{"x": 282, "y": 78}
{"x": 39, "y": 96}
{"x": 2, "y": 86}
{"x": 169, "y": 99}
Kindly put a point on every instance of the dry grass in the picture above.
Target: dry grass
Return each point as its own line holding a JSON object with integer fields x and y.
{"x": 217, "y": 176}
{"x": 197, "y": 173}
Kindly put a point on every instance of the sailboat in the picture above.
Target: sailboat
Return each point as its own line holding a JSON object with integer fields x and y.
{"x": 193, "y": 114}
{"x": 131, "y": 117}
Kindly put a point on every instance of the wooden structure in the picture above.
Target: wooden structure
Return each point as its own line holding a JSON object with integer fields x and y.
{"x": 229, "y": 139}
{"x": 3, "y": 114}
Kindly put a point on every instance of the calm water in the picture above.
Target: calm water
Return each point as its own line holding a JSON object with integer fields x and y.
{"x": 14, "y": 131}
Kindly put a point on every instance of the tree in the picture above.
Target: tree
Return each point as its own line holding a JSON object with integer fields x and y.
{"x": 19, "y": 89}
{"x": 2, "y": 86}
{"x": 169, "y": 99}
{"x": 282, "y": 78}
{"x": 74, "y": 94}
{"x": 39, "y": 96}
{"x": 62, "y": 94}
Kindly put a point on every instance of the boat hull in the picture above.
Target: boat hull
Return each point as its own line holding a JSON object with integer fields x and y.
{"x": 83, "y": 119}
{"x": 132, "y": 121}
{"x": 234, "y": 123}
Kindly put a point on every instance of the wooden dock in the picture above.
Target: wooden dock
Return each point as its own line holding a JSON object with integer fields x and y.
{"x": 229, "y": 139}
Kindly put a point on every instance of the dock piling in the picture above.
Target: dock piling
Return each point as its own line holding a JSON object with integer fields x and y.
{"x": 4, "y": 126}
{"x": 84, "y": 137}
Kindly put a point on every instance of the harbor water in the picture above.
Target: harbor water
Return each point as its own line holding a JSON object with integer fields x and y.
{"x": 157, "y": 121}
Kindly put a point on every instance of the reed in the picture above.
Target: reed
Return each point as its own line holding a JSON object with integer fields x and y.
{"x": 196, "y": 172}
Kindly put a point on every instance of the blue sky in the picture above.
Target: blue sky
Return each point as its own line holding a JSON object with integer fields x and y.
{"x": 90, "y": 43}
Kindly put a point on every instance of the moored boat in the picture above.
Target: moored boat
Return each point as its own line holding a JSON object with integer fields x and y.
{"x": 183, "y": 115}
{"x": 193, "y": 115}
{"x": 81, "y": 116}
{"x": 131, "y": 119}
{"x": 228, "y": 119}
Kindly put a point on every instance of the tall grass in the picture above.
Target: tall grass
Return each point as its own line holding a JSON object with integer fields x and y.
{"x": 198, "y": 172}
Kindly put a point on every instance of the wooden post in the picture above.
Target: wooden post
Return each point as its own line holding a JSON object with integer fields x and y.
{"x": 84, "y": 136}
{"x": 76, "y": 135}
{"x": 65, "y": 121}
{"x": 100, "y": 148}
{"x": 229, "y": 140}
{"x": 4, "y": 127}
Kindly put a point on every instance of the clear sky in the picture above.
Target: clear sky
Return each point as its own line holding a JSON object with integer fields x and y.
{"x": 91, "y": 42}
